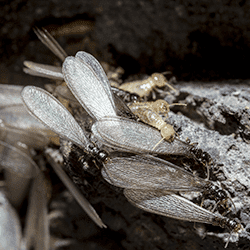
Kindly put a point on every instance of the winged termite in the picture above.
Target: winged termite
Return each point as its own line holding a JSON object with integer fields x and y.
{"x": 143, "y": 88}
{"x": 174, "y": 206}
{"x": 53, "y": 114}
{"x": 148, "y": 172}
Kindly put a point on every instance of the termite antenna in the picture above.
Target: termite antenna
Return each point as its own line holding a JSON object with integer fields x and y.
{"x": 177, "y": 104}
{"x": 232, "y": 202}
{"x": 228, "y": 239}
{"x": 158, "y": 143}
{"x": 208, "y": 172}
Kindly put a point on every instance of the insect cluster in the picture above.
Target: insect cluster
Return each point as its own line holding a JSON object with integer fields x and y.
{"x": 149, "y": 182}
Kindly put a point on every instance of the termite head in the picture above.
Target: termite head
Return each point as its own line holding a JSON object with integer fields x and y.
{"x": 168, "y": 133}
{"x": 159, "y": 80}
{"x": 231, "y": 224}
{"x": 134, "y": 97}
{"x": 100, "y": 155}
{"x": 161, "y": 106}
{"x": 216, "y": 193}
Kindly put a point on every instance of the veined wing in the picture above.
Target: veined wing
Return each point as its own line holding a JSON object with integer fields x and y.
{"x": 43, "y": 70}
{"x": 171, "y": 205}
{"x": 136, "y": 137}
{"x": 90, "y": 60}
{"x": 87, "y": 88}
{"x": 53, "y": 114}
{"x": 148, "y": 172}
{"x": 50, "y": 42}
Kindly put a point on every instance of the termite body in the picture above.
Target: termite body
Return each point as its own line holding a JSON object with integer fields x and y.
{"x": 143, "y": 88}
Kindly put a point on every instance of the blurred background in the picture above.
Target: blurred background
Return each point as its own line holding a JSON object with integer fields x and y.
{"x": 197, "y": 40}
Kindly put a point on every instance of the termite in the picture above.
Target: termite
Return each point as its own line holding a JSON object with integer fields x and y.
{"x": 150, "y": 113}
{"x": 73, "y": 28}
{"x": 148, "y": 172}
{"x": 143, "y": 88}
{"x": 171, "y": 205}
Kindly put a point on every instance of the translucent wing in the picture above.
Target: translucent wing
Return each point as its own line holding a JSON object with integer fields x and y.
{"x": 15, "y": 135}
{"x": 53, "y": 114}
{"x": 50, "y": 43}
{"x": 136, "y": 137}
{"x": 16, "y": 161}
{"x": 43, "y": 70}
{"x": 10, "y": 95}
{"x": 171, "y": 205}
{"x": 17, "y": 116}
{"x": 88, "y": 59}
{"x": 87, "y": 88}
{"x": 148, "y": 172}
{"x": 37, "y": 218}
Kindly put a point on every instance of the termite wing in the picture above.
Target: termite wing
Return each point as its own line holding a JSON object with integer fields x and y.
{"x": 85, "y": 81}
{"x": 149, "y": 172}
{"x": 174, "y": 206}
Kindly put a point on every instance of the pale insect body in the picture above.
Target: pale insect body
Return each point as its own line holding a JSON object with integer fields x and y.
{"x": 143, "y": 88}
{"x": 149, "y": 112}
